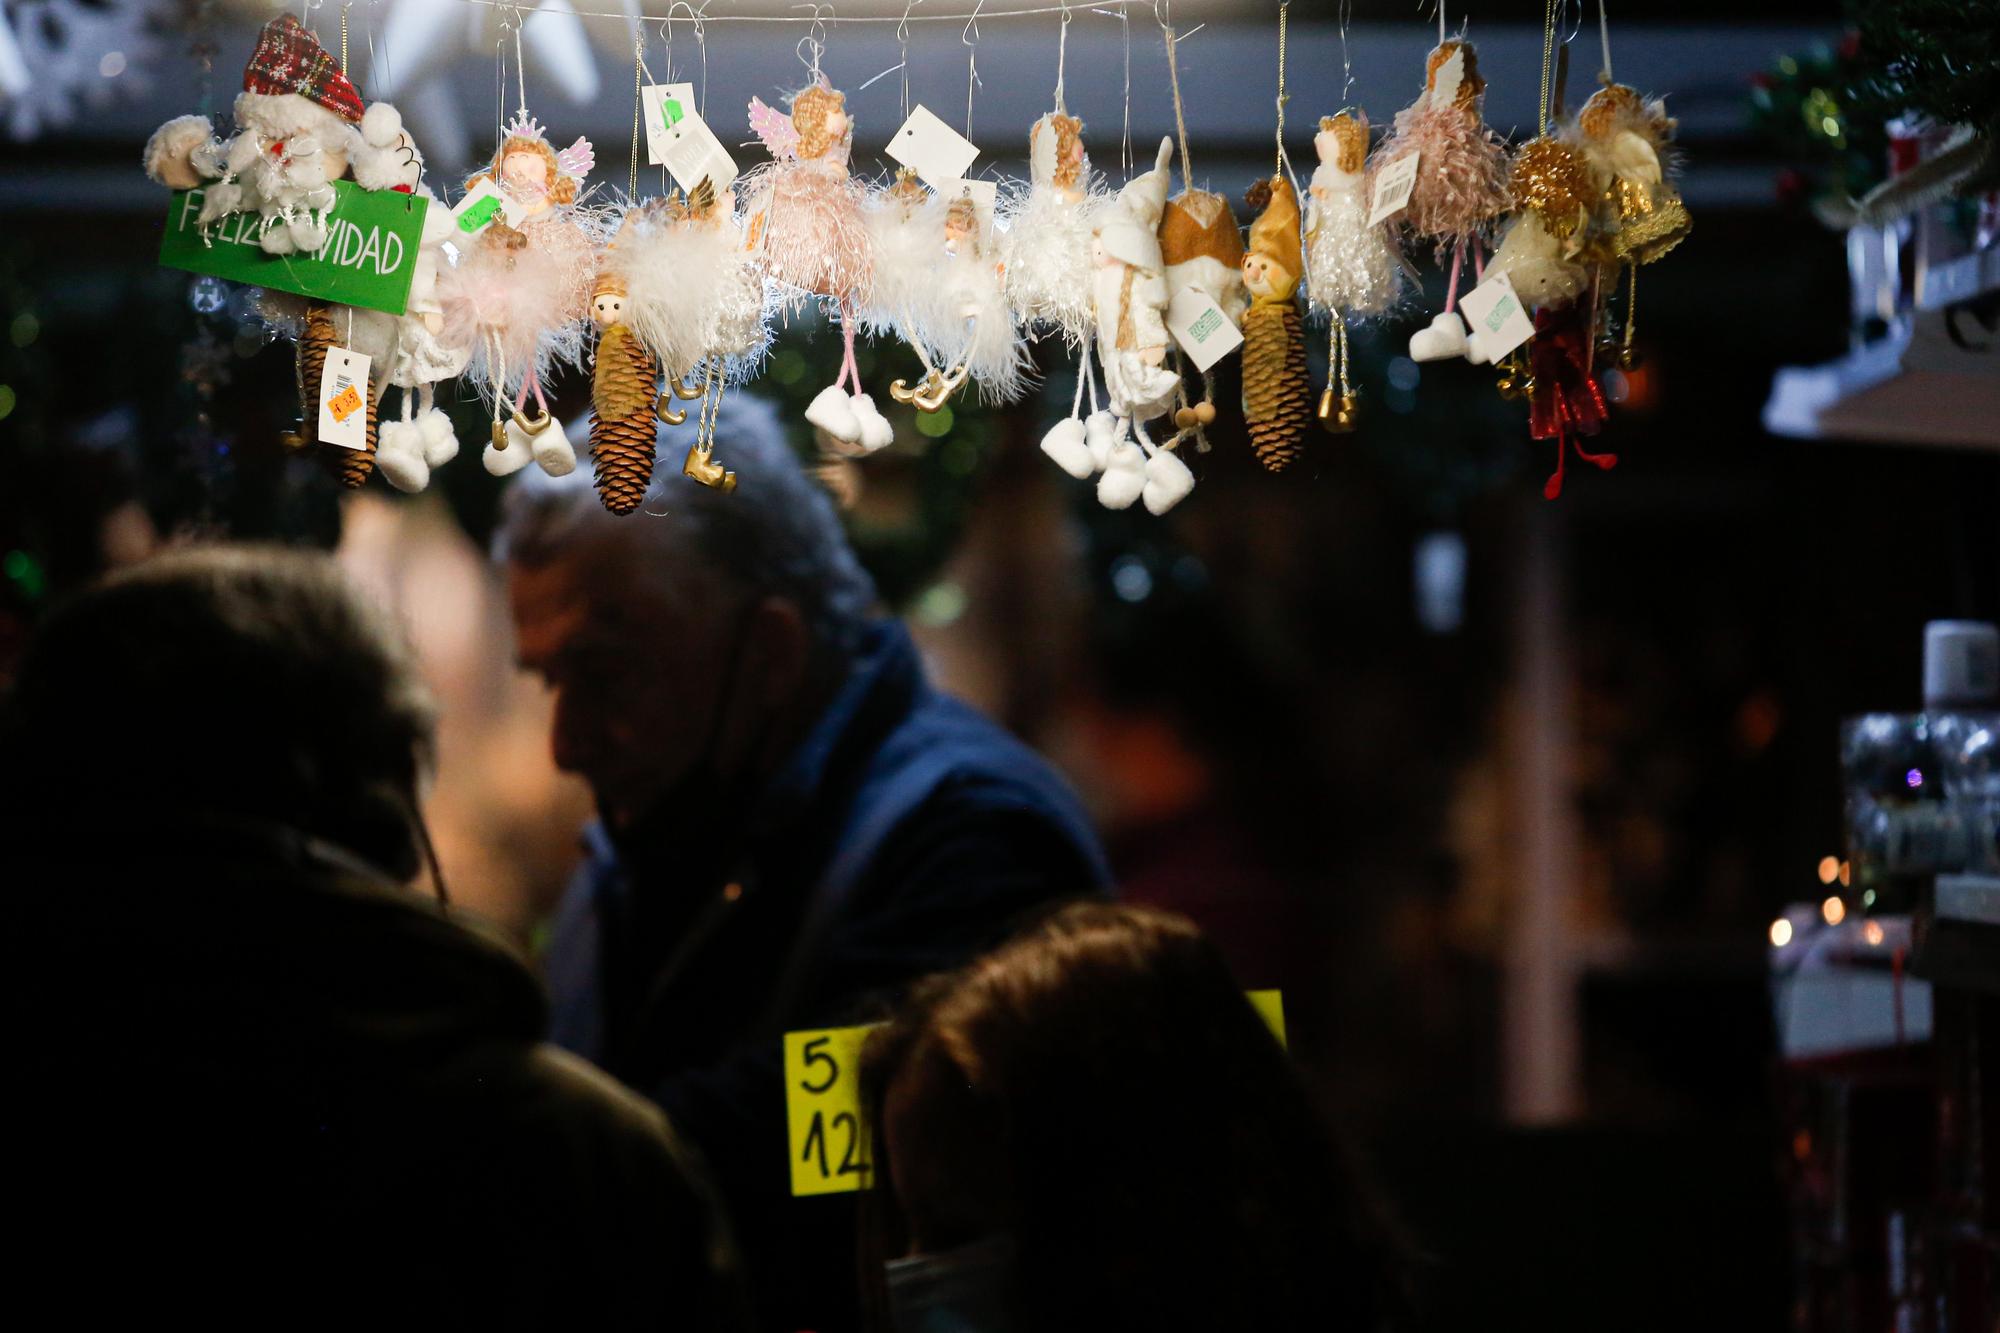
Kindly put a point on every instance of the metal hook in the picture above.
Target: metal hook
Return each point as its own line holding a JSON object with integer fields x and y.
{"x": 815, "y": 38}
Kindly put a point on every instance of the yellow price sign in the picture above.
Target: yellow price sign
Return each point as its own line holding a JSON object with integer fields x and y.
{"x": 823, "y": 1110}
{"x": 345, "y": 403}
{"x": 830, "y": 1140}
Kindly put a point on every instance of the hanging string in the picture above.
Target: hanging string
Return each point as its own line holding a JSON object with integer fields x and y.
{"x": 815, "y": 39}
{"x": 970, "y": 37}
{"x": 520, "y": 65}
{"x": 1180, "y": 115}
{"x": 343, "y": 37}
{"x": 1062, "y": 55}
{"x": 1548, "y": 60}
{"x": 1283, "y": 96}
{"x": 1604, "y": 38}
{"x": 378, "y": 65}
{"x": 1346, "y": 61}
{"x": 1125, "y": 23}
{"x": 638, "y": 103}
{"x": 1441, "y": 22}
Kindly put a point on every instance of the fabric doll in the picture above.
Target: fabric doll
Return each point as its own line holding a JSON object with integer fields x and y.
{"x": 806, "y": 227}
{"x": 1353, "y": 270}
{"x": 905, "y": 300}
{"x": 977, "y": 338}
{"x": 695, "y": 301}
{"x": 1461, "y": 181}
{"x": 1277, "y": 390}
{"x": 387, "y": 158}
{"x": 295, "y": 119}
{"x": 623, "y": 386}
{"x": 1129, "y": 289}
{"x": 1203, "y": 249}
{"x": 518, "y": 298}
{"x": 1628, "y": 144}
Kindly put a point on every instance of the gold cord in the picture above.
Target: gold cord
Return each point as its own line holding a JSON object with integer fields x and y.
{"x": 1283, "y": 97}
{"x": 638, "y": 100}
{"x": 343, "y": 38}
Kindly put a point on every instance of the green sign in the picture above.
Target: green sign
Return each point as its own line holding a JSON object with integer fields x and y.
{"x": 368, "y": 259}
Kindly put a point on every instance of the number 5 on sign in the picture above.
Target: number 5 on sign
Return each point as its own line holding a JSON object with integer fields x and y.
{"x": 823, "y": 1109}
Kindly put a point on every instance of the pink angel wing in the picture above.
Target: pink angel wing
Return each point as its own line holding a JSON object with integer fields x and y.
{"x": 577, "y": 159}
{"x": 775, "y": 128}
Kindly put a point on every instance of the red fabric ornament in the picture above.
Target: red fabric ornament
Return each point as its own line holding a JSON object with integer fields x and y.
{"x": 1566, "y": 401}
{"x": 288, "y": 59}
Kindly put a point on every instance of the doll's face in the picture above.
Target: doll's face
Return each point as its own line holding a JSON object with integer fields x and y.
{"x": 526, "y": 177}
{"x": 837, "y": 124}
{"x": 607, "y": 309}
{"x": 1262, "y": 275}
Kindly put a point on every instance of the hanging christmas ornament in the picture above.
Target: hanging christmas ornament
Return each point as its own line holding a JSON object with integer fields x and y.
{"x": 978, "y": 339}
{"x": 1460, "y": 186}
{"x": 696, "y": 302}
{"x": 295, "y": 126}
{"x": 1129, "y": 291}
{"x": 622, "y": 390}
{"x": 906, "y": 234}
{"x": 387, "y": 158}
{"x": 1277, "y": 390}
{"x": 518, "y": 300}
{"x": 1047, "y": 240}
{"x": 1354, "y": 268}
{"x": 806, "y": 228}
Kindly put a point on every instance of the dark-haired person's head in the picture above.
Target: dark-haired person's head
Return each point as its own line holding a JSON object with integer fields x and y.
{"x": 245, "y": 685}
{"x": 689, "y": 645}
{"x": 1092, "y": 1128}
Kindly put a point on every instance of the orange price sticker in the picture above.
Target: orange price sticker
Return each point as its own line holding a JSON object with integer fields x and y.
{"x": 344, "y": 403}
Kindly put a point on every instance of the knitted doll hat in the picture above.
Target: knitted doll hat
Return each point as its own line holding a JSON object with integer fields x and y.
{"x": 288, "y": 59}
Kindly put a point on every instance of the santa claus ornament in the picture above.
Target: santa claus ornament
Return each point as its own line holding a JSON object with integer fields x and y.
{"x": 1277, "y": 390}
{"x": 519, "y": 299}
{"x": 1354, "y": 268}
{"x": 295, "y": 126}
{"x": 1460, "y": 187}
{"x": 805, "y": 226}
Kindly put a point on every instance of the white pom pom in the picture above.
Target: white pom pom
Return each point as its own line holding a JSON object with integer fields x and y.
{"x": 439, "y": 443}
{"x": 1124, "y": 477}
{"x": 397, "y": 456}
{"x": 380, "y": 124}
{"x": 1168, "y": 481}
{"x": 1064, "y": 444}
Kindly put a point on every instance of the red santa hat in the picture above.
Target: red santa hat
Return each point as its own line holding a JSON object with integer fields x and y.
{"x": 288, "y": 59}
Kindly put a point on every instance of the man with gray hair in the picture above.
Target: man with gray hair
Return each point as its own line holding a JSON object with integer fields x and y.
{"x": 793, "y": 825}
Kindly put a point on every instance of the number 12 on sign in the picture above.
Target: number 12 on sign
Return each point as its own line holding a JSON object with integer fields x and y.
{"x": 829, "y": 1141}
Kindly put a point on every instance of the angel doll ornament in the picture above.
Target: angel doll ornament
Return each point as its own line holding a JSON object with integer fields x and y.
{"x": 518, "y": 300}
{"x": 1353, "y": 270}
{"x": 1461, "y": 182}
{"x": 906, "y": 300}
{"x": 975, "y": 338}
{"x": 806, "y": 228}
{"x": 695, "y": 301}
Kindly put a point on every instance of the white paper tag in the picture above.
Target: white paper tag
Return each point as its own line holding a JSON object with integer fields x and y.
{"x": 938, "y": 152}
{"x": 1201, "y": 328}
{"x": 482, "y": 206}
{"x": 1392, "y": 188}
{"x": 343, "y": 399}
{"x": 1498, "y": 322}
{"x": 678, "y": 139}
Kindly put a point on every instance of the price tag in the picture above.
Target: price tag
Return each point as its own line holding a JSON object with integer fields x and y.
{"x": 343, "y": 393}
{"x": 678, "y": 139}
{"x": 1199, "y": 325}
{"x": 482, "y": 206}
{"x": 1498, "y": 322}
{"x": 823, "y": 1109}
{"x": 829, "y": 1139}
{"x": 1392, "y": 188}
{"x": 937, "y": 151}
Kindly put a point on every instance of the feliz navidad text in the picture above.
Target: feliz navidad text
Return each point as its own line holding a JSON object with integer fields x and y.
{"x": 368, "y": 259}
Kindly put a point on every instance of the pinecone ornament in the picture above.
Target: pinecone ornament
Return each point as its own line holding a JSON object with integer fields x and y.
{"x": 316, "y": 340}
{"x": 621, "y": 399}
{"x": 1277, "y": 391}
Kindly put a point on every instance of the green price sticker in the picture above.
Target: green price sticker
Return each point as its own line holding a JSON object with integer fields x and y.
{"x": 1501, "y": 313}
{"x": 1207, "y": 323}
{"x": 671, "y": 113}
{"x": 481, "y": 213}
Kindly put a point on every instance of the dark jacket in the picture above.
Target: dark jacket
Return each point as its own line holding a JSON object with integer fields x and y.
{"x": 905, "y": 835}
{"x": 267, "y": 1089}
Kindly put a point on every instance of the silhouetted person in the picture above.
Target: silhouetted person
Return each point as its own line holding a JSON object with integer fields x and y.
{"x": 1092, "y": 1129}
{"x": 268, "y": 1084}
{"x": 794, "y": 823}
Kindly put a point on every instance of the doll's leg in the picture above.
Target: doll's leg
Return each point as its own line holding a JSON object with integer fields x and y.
{"x": 1605, "y": 460}
{"x": 1478, "y": 263}
{"x": 1553, "y": 487}
{"x": 1451, "y": 288}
